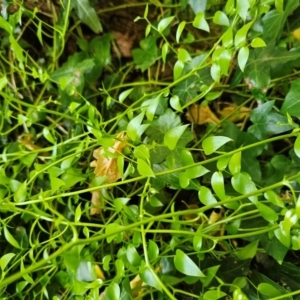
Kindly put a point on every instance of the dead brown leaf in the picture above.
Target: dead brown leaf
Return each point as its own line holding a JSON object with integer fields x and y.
{"x": 201, "y": 115}
{"x": 235, "y": 113}
{"x": 105, "y": 164}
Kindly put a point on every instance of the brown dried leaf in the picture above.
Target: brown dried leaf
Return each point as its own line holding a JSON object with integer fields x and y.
{"x": 107, "y": 166}
{"x": 201, "y": 115}
{"x": 237, "y": 114}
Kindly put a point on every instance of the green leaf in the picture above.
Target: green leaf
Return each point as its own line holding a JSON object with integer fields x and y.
{"x": 235, "y": 163}
{"x": 227, "y": 38}
{"x": 21, "y": 193}
{"x": 164, "y": 23}
{"x": 175, "y": 103}
{"x": 144, "y": 169}
{"x": 267, "y": 212}
{"x": 248, "y": 251}
{"x": 113, "y": 291}
{"x": 213, "y": 294}
{"x": 183, "y": 55}
{"x": 179, "y": 30}
{"x": 274, "y": 22}
{"x": 241, "y": 35}
{"x": 178, "y": 67}
{"x": 48, "y": 136}
{"x": 291, "y": 103}
{"x": 257, "y": 43}
{"x": 3, "y": 82}
{"x": 111, "y": 229}
{"x": 124, "y": 95}
{"x": 185, "y": 265}
{"x": 164, "y": 52}
{"x": 215, "y": 72}
{"x": 200, "y": 22}
{"x": 87, "y": 14}
{"x": 221, "y": 19}
{"x": 145, "y": 57}
{"x": 267, "y": 121}
{"x": 85, "y": 271}
{"x": 173, "y": 135}
{"x": 217, "y": 183}
{"x": 197, "y": 6}
{"x": 8, "y": 236}
{"x": 243, "y": 56}
{"x": 151, "y": 109}
{"x": 133, "y": 256}
{"x": 149, "y": 277}
{"x": 268, "y": 290}
{"x": 78, "y": 213}
{"x": 5, "y": 259}
{"x": 242, "y": 7}
{"x": 133, "y": 127}
{"x": 153, "y": 250}
{"x": 273, "y": 198}
{"x": 205, "y": 196}
{"x": 213, "y": 143}
{"x": 244, "y": 185}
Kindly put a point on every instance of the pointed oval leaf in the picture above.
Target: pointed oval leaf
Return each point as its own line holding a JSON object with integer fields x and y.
{"x": 133, "y": 127}
{"x": 179, "y": 30}
{"x": 241, "y": 35}
{"x": 213, "y": 143}
{"x": 221, "y": 19}
{"x": 205, "y": 196}
{"x": 243, "y": 57}
{"x": 178, "y": 67}
{"x": 149, "y": 277}
{"x": 200, "y": 22}
{"x": 267, "y": 212}
{"x": 185, "y": 265}
{"x": 258, "y": 43}
{"x": 10, "y": 238}
{"x": 175, "y": 103}
{"x": 133, "y": 256}
{"x": 113, "y": 292}
{"x": 172, "y": 136}
{"x": 124, "y": 95}
{"x": 144, "y": 169}
{"x": 215, "y": 72}
{"x": 242, "y": 7}
{"x": 164, "y": 23}
{"x": 164, "y": 52}
{"x": 234, "y": 165}
{"x": 217, "y": 182}
{"x": 269, "y": 290}
{"x": 5, "y": 259}
{"x": 21, "y": 193}
{"x": 151, "y": 109}
{"x": 297, "y": 146}
{"x": 248, "y": 251}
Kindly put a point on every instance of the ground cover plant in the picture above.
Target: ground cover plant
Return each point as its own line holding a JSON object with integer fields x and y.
{"x": 150, "y": 150}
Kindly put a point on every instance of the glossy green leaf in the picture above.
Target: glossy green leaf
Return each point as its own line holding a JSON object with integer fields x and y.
{"x": 164, "y": 23}
{"x": 291, "y": 103}
{"x": 279, "y": 5}
{"x": 173, "y": 135}
{"x": 227, "y": 38}
{"x": 221, "y": 19}
{"x": 143, "y": 168}
{"x": 248, "y": 251}
{"x": 175, "y": 103}
{"x": 223, "y": 162}
{"x": 206, "y": 196}
{"x": 268, "y": 290}
{"x": 234, "y": 165}
{"x": 213, "y": 294}
{"x": 153, "y": 250}
{"x": 150, "y": 278}
{"x": 215, "y": 72}
{"x": 113, "y": 292}
{"x": 142, "y": 151}
{"x": 257, "y": 43}
{"x": 198, "y": 239}
{"x": 78, "y": 213}
{"x": 124, "y": 95}
{"x": 184, "y": 180}
{"x": 273, "y": 198}
{"x": 178, "y": 67}
{"x": 151, "y": 109}
{"x": 5, "y": 259}
{"x": 21, "y": 193}
{"x": 164, "y": 52}
{"x": 267, "y": 212}
{"x": 185, "y": 265}
{"x": 244, "y": 185}
{"x": 134, "y": 126}
{"x": 297, "y": 208}
{"x": 241, "y": 35}
{"x": 224, "y": 61}
{"x": 179, "y": 30}
{"x": 112, "y": 230}
{"x": 8, "y": 236}
{"x": 242, "y": 7}
{"x": 133, "y": 256}
{"x": 210, "y": 275}
{"x": 48, "y": 135}
{"x": 197, "y": 6}
{"x": 87, "y": 14}
{"x": 283, "y": 236}
{"x": 200, "y": 22}
{"x": 183, "y": 55}
{"x": 213, "y": 143}
{"x": 217, "y": 183}
{"x": 243, "y": 56}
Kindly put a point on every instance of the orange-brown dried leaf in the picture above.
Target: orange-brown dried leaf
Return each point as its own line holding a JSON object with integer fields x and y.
{"x": 97, "y": 204}
{"x": 107, "y": 165}
{"x": 235, "y": 113}
{"x": 201, "y": 115}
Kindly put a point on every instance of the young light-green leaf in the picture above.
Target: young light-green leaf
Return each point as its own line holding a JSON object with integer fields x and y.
{"x": 173, "y": 135}
{"x": 297, "y": 146}
{"x": 164, "y": 23}
{"x": 213, "y": 143}
{"x": 179, "y": 30}
{"x": 10, "y": 238}
{"x": 143, "y": 168}
{"x": 221, "y": 19}
{"x": 185, "y": 265}
{"x": 248, "y": 251}
{"x": 200, "y": 22}
{"x": 243, "y": 56}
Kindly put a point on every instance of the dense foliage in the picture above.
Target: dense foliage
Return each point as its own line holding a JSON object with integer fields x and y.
{"x": 155, "y": 159}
